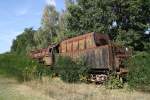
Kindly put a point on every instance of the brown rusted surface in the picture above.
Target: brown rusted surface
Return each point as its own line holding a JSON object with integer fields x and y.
{"x": 97, "y": 57}
{"x": 48, "y": 60}
{"x": 82, "y": 42}
{"x": 101, "y": 39}
{"x": 94, "y": 48}
{"x": 39, "y": 53}
{"x": 43, "y": 55}
{"x": 122, "y": 52}
{"x": 120, "y": 55}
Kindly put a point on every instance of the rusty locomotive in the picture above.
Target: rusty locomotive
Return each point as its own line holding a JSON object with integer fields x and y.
{"x": 96, "y": 49}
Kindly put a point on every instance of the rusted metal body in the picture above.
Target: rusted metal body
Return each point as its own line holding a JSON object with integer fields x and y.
{"x": 92, "y": 47}
{"x": 44, "y": 56}
{"x": 96, "y": 49}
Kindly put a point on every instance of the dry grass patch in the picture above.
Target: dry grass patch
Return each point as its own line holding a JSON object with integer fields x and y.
{"x": 59, "y": 90}
{"x": 10, "y": 89}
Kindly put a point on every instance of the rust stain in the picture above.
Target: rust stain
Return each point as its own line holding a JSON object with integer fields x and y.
{"x": 95, "y": 48}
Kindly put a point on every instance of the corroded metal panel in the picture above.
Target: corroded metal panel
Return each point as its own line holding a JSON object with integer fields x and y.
{"x": 85, "y": 46}
{"x": 77, "y": 43}
{"x": 97, "y": 57}
{"x": 48, "y": 60}
{"x": 94, "y": 48}
{"x": 75, "y": 46}
{"x": 39, "y": 53}
{"x": 101, "y": 39}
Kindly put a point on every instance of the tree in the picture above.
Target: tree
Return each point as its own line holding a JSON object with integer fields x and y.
{"x": 88, "y": 16}
{"x": 69, "y": 2}
{"x": 42, "y": 38}
{"x": 24, "y": 42}
{"x": 62, "y": 25}
{"x": 50, "y": 21}
{"x": 110, "y": 17}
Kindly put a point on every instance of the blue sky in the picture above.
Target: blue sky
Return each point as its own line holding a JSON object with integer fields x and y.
{"x": 15, "y": 15}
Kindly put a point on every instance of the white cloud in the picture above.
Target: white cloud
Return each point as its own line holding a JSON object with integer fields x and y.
{"x": 51, "y": 2}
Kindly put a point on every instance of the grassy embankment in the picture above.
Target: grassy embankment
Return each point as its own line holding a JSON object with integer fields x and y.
{"x": 22, "y": 68}
{"x": 10, "y": 89}
{"x": 55, "y": 89}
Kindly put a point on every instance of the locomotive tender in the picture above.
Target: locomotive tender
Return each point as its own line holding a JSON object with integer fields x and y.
{"x": 96, "y": 49}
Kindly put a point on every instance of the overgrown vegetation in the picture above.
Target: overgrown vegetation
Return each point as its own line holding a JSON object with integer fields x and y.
{"x": 25, "y": 69}
{"x": 138, "y": 76}
{"x": 127, "y": 22}
{"x": 71, "y": 71}
{"x": 21, "y": 67}
{"x": 114, "y": 82}
{"x": 139, "y": 71}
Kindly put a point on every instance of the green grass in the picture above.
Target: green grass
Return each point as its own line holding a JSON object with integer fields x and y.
{"x": 21, "y": 67}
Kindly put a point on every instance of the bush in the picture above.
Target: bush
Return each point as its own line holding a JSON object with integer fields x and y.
{"x": 36, "y": 72}
{"x": 69, "y": 70}
{"x": 114, "y": 82}
{"x": 139, "y": 71}
{"x": 21, "y": 67}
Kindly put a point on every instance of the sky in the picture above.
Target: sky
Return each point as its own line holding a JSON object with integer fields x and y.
{"x": 16, "y": 15}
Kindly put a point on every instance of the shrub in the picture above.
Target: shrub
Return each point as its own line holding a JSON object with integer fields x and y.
{"x": 12, "y": 65}
{"x": 69, "y": 70}
{"x": 114, "y": 82}
{"x": 21, "y": 67}
{"x": 139, "y": 71}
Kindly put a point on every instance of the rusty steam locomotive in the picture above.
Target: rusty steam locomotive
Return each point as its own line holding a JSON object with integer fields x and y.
{"x": 95, "y": 48}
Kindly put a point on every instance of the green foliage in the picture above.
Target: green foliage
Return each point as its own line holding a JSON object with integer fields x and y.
{"x": 69, "y": 70}
{"x": 24, "y": 42}
{"x": 42, "y": 38}
{"x": 50, "y": 24}
{"x": 114, "y": 82}
{"x": 21, "y": 67}
{"x": 82, "y": 16}
{"x": 130, "y": 39}
{"x": 139, "y": 69}
{"x": 87, "y": 16}
{"x": 51, "y": 31}
{"x": 131, "y": 17}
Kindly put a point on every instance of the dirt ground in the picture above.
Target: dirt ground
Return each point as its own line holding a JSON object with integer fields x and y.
{"x": 55, "y": 89}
